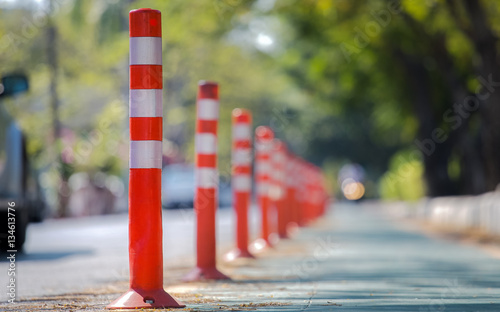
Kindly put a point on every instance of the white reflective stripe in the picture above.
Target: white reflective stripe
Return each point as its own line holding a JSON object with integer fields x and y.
{"x": 290, "y": 173}
{"x": 242, "y": 182}
{"x": 276, "y": 192}
{"x": 242, "y": 131}
{"x": 263, "y": 147}
{"x": 145, "y": 50}
{"x": 274, "y": 175}
{"x": 296, "y": 175}
{"x": 145, "y": 154}
{"x": 277, "y": 175}
{"x": 205, "y": 143}
{"x": 206, "y": 177}
{"x": 146, "y": 103}
{"x": 279, "y": 178}
{"x": 291, "y": 180}
{"x": 263, "y": 167}
{"x": 208, "y": 109}
{"x": 278, "y": 158}
{"x": 242, "y": 156}
{"x": 263, "y": 188}
{"x": 282, "y": 179}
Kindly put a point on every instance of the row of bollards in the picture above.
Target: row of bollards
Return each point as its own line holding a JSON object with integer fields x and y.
{"x": 290, "y": 191}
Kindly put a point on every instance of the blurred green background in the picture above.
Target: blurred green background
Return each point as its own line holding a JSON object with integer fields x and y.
{"x": 406, "y": 89}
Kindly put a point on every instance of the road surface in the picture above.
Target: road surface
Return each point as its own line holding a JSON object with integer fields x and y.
{"x": 351, "y": 260}
{"x": 64, "y": 255}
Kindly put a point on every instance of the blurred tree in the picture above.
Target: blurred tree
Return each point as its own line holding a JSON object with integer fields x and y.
{"x": 397, "y": 74}
{"x": 341, "y": 81}
{"x": 76, "y": 55}
{"x": 92, "y": 75}
{"x": 477, "y": 21}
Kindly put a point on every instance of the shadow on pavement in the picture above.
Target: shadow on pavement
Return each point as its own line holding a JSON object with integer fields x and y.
{"x": 41, "y": 256}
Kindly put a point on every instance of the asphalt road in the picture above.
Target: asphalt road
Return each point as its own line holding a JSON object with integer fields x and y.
{"x": 354, "y": 259}
{"x": 74, "y": 254}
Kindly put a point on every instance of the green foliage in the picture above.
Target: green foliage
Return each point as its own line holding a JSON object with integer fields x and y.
{"x": 334, "y": 84}
{"x": 92, "y": 48}
{"x": 403, "y": 180}
{"x": 384, "y": 73}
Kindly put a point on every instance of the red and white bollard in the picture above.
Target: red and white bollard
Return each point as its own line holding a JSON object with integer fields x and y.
{"x": 291, "y": 193}
{"x": 326, "y": 198}
{"x": 314, "y": 191}
{"x": 263, "y": 146}
{"x": 302, "y": 192}
{"x": 146, "y": 118}
{"x": 241, "y": 180}
{"x": 322, "y": 196}
{"x": 310, "y": 191}
{"x": 277, "y": 192}
{"x": 314, "y": 199}
{"x": 207, "y": 181}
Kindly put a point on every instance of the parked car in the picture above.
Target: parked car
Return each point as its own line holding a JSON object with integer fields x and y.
{"x": 225, "y": 194}
{"x": 19, "y": 182}
{"x": 178, "y": 187}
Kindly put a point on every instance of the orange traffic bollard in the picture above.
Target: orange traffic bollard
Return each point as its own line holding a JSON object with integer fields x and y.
{"x": 320, "y": 200}
{"x": 207, "y": 181}
{"x": 146, "y": 115}
{"x": 241, "y": 180}
{"x": 322, "y": 193}
{"x": 326, "y": 198}
{"x": 302, "y": 192}
{"x": 263, "y": 144}
{"x": 310, "y": 199}
{"x": 291, "y": 193}
{"x": 278, "y": 186}
{"x": 319, "y": 196}
{"x": 315, "y": 193}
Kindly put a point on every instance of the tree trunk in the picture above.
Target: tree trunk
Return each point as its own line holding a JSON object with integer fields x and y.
{"x": 471, "y": 180}
{"x": 435, "y": 154}
{"x": 485, "y": 43}
{"x": 62, "y": 189}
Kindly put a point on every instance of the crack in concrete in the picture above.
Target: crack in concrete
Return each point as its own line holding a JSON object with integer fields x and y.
{"x": 309, "y": 301}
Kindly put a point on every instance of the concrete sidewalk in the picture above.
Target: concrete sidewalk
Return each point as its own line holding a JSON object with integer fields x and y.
{"x": 352, "y": 260}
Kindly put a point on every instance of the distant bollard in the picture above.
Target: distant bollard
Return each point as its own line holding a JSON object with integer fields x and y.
{"x": 291, "y": 193}
{"x": 241, "y": 179}
{"x": 318, "y": 193}
{"x": 319, "y": 196}
{"x": 311, "y": 194}
{"x": 263, "y": 144}
{"x": 302, "y": 192}
{"x": 207, "y": 180}
{"x": 277, "y": 192}
{"x": 145, "y": 222}
{"x": 325, "y": 200}
{"x": 307, "y": 196}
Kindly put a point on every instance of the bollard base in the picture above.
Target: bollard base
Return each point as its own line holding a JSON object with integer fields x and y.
{"x": 148, "y": 299}
{"x": 274, "y": 239}
{"x": 205, "y": 274}
{"x": 284, "y": 235}
{"x": 292, "y": 229}
{"x": 259, "y": 245}
{"x": 238, "y": 254}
